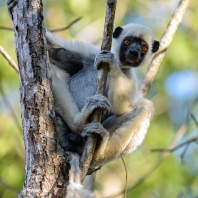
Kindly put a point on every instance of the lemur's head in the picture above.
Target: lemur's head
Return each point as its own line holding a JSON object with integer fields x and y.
{"x": 133, "y": 45}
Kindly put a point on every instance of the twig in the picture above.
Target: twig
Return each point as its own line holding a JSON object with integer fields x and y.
{"x": 9, "y": 59}
{"x": 55, "y": 30}
{"x": 184, "y": 152}
{"x": 6, "y": 28}
{"x": 194, "y": 119}
{"x": 68, "y": 26}
{"x": 101, "y": 84}
{"x": 164, "y": 44}
{"x": 176, "y": 147}
{"x": 140, "y": 180}
{"x": 126, "y": 179}
{"x": 8, "y": 187}
{"x": 184, "y": 144}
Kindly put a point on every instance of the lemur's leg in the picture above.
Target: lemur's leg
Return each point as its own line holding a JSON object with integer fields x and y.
{"x": 68, "y": 140}
{"x": 123, "y": 133}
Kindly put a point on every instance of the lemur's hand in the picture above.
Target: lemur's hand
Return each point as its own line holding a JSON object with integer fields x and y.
{"x": 96, "y": 102}
{"x": 104, "y": 57}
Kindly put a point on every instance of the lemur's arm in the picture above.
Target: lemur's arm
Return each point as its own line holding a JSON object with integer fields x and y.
{"x": 64, "y": 64}
{"x": 68, "y": 110}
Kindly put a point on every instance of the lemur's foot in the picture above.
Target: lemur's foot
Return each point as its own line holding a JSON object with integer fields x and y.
{"x": 97, "y": 102}
{"x": 94, "y": 128}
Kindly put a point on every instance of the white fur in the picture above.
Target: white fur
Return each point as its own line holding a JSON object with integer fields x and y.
{"x": 74, "y": 46}
{"x": 75, "y": 189}
{"x": 123, "y": 92}
{"x": 64, "y": 103}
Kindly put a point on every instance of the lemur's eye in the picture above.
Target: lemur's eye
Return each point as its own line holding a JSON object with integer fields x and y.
{"x": 126, "y": 42}
{"x": 144, "y": 48}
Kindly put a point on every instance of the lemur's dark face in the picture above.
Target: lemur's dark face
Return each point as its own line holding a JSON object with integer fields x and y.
{"x": 132, "y": 51}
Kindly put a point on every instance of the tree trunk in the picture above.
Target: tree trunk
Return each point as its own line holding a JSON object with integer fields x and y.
{"x": 46, "y": 169}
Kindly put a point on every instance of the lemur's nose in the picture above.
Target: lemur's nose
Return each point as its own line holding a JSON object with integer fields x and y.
{"x": 134, "y": 53}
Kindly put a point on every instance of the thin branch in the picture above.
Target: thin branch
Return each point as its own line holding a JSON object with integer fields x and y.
{"x": 9, "y": 59}
{"x": 184, "y": 144}
{"x": 164, "y": 44}
{"x": 195, "y": 139}
{"x": 126, "y": 178}
{"x": 101, "y": 84}
{"x": 67, "y": 27}
{"x": 6, "y": 28}
{"x": 140, "y": 180}
{"x": 194, "y": 119}
{"x": 55, "y": 30}
{"x": 184, "y": 152}
{"x": 8, "y": 187}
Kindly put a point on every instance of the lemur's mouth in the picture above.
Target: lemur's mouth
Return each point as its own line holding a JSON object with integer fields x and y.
{"x": 134, "y": 62}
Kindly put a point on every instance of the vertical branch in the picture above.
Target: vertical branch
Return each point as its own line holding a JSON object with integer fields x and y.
{"x": 101, "y": 84}
{"x": 164, "y": 44}
{"x": 45, "y": 175}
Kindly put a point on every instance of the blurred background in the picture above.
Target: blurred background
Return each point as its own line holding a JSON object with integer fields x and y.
{"x": 174, "y": 93}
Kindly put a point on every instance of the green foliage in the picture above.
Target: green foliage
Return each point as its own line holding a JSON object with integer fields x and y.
{"x": 171, "y": 178}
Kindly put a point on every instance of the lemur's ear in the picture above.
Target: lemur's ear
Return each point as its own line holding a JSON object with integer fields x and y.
{"x": 117, "y": 32}
{"x": 155, "y": 47}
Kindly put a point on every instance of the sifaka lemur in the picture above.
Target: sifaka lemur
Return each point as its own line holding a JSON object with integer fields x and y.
{"x": 74, "y": 73}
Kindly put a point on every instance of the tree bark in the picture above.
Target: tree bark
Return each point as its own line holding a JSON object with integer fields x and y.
{"x": 46, "y": 170}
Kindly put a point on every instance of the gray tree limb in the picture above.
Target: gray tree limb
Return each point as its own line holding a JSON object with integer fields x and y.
{"x": 101, "y": 84}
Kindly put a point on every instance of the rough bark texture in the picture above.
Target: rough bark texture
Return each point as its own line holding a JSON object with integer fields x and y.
{"x": 101, "y": 84}
{"x": 45, "y": 167}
